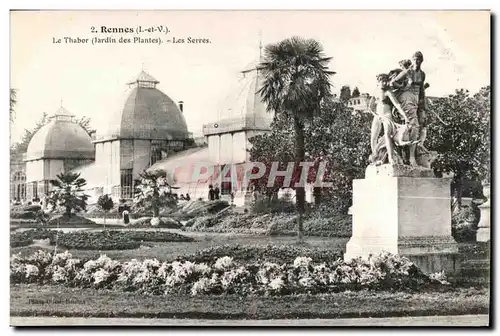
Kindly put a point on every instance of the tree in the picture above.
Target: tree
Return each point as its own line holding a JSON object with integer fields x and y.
{"x": 153, "y": 192}
{"x": 462, "y": 137}
{"x": 336, "y": 137}
{"x": 296, "y": 81}
{"x": 68, "y": 193}
{"x": 355, "y": 93}
{"x": 13, "y": 102}
{"x": 105, "y": 203}
{"x": 345, "y": 93}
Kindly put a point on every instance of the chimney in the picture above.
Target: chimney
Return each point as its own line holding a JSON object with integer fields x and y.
{"x": 181, "y": 106}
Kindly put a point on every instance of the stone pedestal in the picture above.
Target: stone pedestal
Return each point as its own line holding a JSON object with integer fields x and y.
{"x": 402, "y": 210}
{"x": 484, "y": 225}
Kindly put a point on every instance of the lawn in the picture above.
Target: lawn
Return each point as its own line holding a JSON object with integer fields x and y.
{"x": 35, "y": 300}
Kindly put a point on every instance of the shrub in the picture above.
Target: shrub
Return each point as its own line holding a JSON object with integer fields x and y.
{"x": 464, "y": 224}
{"x": 71, "y": 221}
{"x": 279, "y": 254}
{"x": 273, "y": 205}
{"x": 114, "y": 240}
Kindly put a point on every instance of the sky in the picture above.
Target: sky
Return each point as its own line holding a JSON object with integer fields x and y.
{"x": 90, "y": 80}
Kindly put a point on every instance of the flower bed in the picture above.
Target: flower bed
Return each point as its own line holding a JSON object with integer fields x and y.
{"x": 224, "y": 276}
{"x": 114, "y": 240}
{"x": 279, "y": 254}
{"x": 26, "y": 238}
{"x": 71, "y": 221}
{"x": 275, "y": 224}
{"x": 100, "y": 241}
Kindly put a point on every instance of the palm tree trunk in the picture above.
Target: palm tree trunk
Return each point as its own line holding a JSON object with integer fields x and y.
{"x": 300, "y": 192}
{"x": 105, "y": 215}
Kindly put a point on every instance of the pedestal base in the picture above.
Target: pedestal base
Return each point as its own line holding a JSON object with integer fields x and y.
{"x": 430, "y": 254}
{"x": 405, "y": 215}
{"x": 484, "y": 226}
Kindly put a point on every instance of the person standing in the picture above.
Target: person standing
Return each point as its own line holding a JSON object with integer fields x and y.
{"x": 211, "y": 193}
{"x": 217, "y": 192}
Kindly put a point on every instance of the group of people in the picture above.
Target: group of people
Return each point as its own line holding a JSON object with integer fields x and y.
{"x": 401, "y": 112}
{"x": 213, "y": 193}
{"x": 185, "y": 198}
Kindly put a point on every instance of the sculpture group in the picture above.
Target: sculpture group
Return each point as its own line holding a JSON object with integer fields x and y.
{"x": 400, "y": 107}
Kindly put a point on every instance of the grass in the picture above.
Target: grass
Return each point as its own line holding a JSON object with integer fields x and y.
{"x": 170, "y": 250}
{"x": 35, "y": 300}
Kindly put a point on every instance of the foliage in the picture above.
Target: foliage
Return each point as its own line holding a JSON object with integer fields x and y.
{"x": 316, "y": 223}
{"x": 153, "y": 192}
{"x": 272, "y": 205}
{"x": 345, "y": 93}
{"x": 68, "y": 193}
{"x": 336, "y": 137}
{"x": 464, "y": 141}
{"x": 25, "y": 238}
{"x": 105, "y": 203}
{"x": 271, "y": 253}
{"x": 296, "y": 82}
{"x": 13, "y": 102}
{"x": 355, "y": 93}
{"x": 71, "y": 221}
{"x": 224, "y": 275}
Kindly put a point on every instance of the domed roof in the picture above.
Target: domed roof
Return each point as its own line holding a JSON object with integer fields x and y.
{"x": 245, "y": 101}
{"x": 148, "y": 114}
{"x": 61, "y": 138}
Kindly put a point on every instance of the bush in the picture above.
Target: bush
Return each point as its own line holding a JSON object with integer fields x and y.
{"x": 272, "y": 253}
{"x": 71, "y": 221}
{"x": 156, "y": 236}
{"x": 25, "y": 238}
{"x": 273, "y": 205}
{"x": 464, "y": 224}
{"x": 114, "y": 240}
{"x": 25, "y": 211}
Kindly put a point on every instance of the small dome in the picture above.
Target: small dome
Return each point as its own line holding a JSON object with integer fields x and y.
{"x": 148, "y": 114}
{"x": 61, "y": 138}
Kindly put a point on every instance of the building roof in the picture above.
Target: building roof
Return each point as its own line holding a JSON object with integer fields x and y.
{"x": 182, "y": 164}
{"x": 144, "y": 77}
{"x": 148, "y": 114}
{"x": 61, "y": 138}
{"x": 243, "y": 106}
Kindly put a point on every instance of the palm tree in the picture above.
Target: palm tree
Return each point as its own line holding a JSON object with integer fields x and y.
{"x": 296, "y": 82}
{"x": 68, "y": 193}
{"x": 13, "y": 101}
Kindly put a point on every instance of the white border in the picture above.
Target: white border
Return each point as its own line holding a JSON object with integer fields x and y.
{"x": 179, "y": 4}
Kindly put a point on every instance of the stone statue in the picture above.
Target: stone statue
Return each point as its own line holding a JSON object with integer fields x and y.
{"x": 401, "y": 109}
{"x": 384, "y": 148}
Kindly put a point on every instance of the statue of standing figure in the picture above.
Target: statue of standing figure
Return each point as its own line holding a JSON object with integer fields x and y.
{"x": 403, "y": 91}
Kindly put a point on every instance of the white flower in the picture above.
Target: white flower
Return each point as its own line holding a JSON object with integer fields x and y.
{"x": 61, "y": 258}
{"x": 223, "y": 263}
{"x": 100, "y": 276}
{"x": 276, "y": 283}
{"x": 439, "y": 276}
{"x": 302, "y": 262}
{"x": 59, "y": 274}
{"x": 202, "y": 268}
{"x": 31, "y": 270}
{"x": 155, "y": 221}
{"x": 200, "y": 286}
